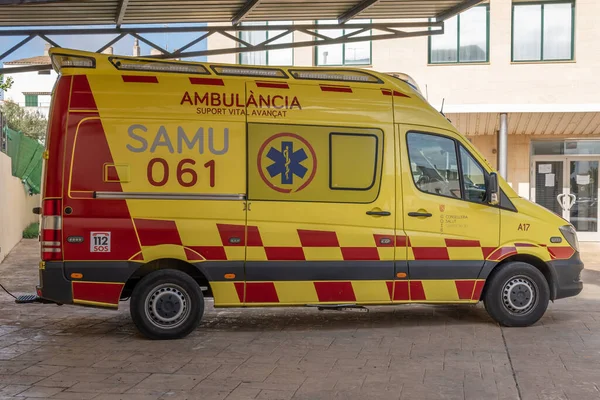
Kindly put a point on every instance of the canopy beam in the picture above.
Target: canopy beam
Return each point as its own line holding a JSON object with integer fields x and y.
{"x": 357, "y": 9}
{"x": 244, "y": 11}
{"x": 318, "y": 33}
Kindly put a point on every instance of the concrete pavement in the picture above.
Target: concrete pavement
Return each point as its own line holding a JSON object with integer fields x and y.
{"x": 406, "y": 352}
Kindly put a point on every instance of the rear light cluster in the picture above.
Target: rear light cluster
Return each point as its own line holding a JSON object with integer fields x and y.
{"x": 51, "y": 230}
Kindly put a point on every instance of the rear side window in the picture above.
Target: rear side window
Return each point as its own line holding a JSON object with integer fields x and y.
{"x": 353, "y": 161}
{"x": 433, "y": 164}
{"x": 314, "y": 163}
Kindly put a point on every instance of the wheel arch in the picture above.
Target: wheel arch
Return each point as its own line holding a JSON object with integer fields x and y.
{"x": 194, "y": 271}
{"x": 490, "y": 269}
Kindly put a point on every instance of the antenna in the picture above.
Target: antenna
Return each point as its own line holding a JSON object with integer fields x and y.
{"x": 426, "y": 93}
{"x": 442, "y": 109}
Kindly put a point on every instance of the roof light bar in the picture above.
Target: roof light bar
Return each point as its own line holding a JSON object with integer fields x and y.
{"x": 128, "y": 64}
{"x": 249, "y": 71}
{"x": 333, "y": 75}
{"x": 60, "y": 61}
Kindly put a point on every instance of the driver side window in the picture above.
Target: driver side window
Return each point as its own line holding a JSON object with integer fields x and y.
{"x": 473, "y": 177}
{"x": 433, "y": 164}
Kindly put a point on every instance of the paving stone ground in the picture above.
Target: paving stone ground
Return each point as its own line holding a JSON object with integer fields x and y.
{"x": 406, "y": 352}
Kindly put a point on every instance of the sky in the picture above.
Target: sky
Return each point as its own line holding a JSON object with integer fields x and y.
{"x": 35, "y": 47}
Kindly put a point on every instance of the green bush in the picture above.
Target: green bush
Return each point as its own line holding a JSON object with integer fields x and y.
{"x": 32, "y": 231}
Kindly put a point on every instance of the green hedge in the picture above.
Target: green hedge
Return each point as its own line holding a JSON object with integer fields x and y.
{"x": 32, "y": 231}
{"x": 26, "y": 155}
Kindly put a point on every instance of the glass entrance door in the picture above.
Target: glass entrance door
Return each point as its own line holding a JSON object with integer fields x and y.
{"x": 582, "y": 197}
{"x": 549, "y": 184}
{"x": 568, "y": 186}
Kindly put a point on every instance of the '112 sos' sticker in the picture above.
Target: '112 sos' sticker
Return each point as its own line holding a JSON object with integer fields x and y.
{"x": 100, "y": 242}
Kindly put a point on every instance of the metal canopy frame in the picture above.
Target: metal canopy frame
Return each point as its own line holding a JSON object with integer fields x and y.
{"x": 318, "y": 32}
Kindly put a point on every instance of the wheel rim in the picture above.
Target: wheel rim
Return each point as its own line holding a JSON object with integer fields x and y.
{"x": 519, "y": 295}
{"x": 167, "y": 306}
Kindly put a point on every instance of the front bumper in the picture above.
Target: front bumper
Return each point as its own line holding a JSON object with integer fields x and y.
{"x": 567, "y": 276}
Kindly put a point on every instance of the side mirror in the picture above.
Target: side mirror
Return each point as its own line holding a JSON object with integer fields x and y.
{"x": 493, "y": 190}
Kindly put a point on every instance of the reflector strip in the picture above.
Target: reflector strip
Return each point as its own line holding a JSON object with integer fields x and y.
{"x": 344, "y": 89}
{"x": 273, "y": 85}
{"x": 207, "y": 81}
{"x": 50, "y": 250}
{"x": 48, "y": 243}
{"x": 52, "y": 222}
{"x": 139, "y": 79}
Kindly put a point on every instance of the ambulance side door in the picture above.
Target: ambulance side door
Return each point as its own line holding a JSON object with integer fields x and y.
{"x": 451, "y": 228}
{"x": 320, "y": 221}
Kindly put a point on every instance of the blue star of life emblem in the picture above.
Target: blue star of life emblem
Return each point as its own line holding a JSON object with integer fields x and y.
{"x": 287, "y": 163}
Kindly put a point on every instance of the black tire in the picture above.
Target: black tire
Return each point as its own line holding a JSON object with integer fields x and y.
{"x": 166, "y": 304}
{"x": 517, "y": 294}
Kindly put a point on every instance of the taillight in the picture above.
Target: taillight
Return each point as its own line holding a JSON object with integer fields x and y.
{"x": 51, "y": 230}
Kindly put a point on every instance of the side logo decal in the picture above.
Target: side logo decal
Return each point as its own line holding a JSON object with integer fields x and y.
{"x": 100, "y": 242}
{"x": 287, "y": 162}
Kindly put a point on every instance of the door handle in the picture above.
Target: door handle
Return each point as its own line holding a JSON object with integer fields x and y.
{"x": 566, "y": 201}
{"x": 379, "y": 213}
{"x": 572, "y": 200}
{"x": 559, "y": 198}
{"x": 420, "y": 214}
{"x": 561, "y": 201}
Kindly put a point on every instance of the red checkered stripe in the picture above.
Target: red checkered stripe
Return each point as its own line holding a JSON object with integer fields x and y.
{"x": 553, "y": 252}
{"x": 487, "y": 253}
{"x": 251, "y": 237}
{"x": 349, "y": 291}
{"x": 158, "y": 232}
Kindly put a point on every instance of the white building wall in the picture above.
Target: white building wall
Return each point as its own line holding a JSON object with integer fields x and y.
{"x": 499, "y": 85}
{"x": 15, "y": 207}
{"x": 502, "y": 82}
{"x": 30, "y": 82}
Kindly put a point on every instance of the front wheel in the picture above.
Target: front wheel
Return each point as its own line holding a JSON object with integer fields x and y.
{"x": 166, "y": 304}
{"x": 517, "y": 295}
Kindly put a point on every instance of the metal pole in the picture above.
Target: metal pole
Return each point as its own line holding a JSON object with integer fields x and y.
{"x": 503, "y": 146}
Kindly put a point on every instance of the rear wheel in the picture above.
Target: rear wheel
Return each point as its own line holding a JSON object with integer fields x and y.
{"x": 517, "y": 295}
{"x": 166, "y": 304}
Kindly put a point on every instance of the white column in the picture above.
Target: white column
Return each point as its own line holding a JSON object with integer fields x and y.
{"x": 503, "y": 146}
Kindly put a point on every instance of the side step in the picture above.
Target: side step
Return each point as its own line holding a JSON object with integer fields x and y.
{"x": 33, "y": 298}
{"x": 339, "y": 307}
{"x": 28, "y": 298}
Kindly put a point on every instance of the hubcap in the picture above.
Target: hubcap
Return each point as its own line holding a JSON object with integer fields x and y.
{"x": 167, "y": 306}
{"x": 519, "y": 295}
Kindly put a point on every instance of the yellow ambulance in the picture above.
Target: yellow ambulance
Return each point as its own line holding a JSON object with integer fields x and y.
{"x": 168, "y": 182}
